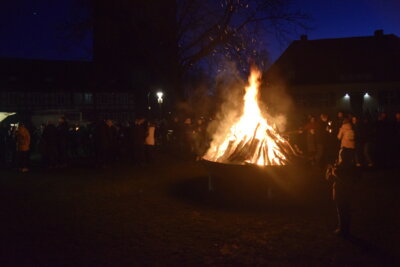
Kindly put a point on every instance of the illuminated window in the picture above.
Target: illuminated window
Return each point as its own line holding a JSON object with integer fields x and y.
{"x": 88, "y": 98}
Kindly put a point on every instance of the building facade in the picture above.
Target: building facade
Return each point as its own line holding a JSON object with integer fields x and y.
{"x": 43, "y": 86}
{"x": 356, "y": 74}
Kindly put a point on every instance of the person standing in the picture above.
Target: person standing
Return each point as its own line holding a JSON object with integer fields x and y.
{"x": 344, "y": 175}
{"x": 200, "y": 146}
{"x": 346, "y": 137}
{"x": 62, "y": 141}
{"x": 23, "y": 139}
{"x": 187, "y": 135}
{"x": 3, "y": 145}
{"x": 150, "y": 142}
{"x": 49, "y": 145}
{"x": 358, "y": 140}
{"x": 397, "y": 137}
{"x": 111, "y": 141}
{"x": 322, "y": 141}
{"x": 139, "y": 136}
{"x": 336, "y": 125}
{"x": 384, "y": 140}
{"x": 176, "y": 135}
{"x": 311, "y": 130}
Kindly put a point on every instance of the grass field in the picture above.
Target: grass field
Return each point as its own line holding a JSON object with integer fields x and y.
{"x": 163, "y": 214}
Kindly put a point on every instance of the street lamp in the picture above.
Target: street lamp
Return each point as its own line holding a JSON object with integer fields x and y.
{"x": 160, "y": 100}
{"x": 160, "y": 97}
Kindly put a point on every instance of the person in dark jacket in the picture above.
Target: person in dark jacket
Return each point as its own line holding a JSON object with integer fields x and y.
{"x": 139, "y": 136}
{"x": 384, "y": 140}
{"x": 3, "y": 145}
{"x": 188, "y": 135}
{"x": 105, "y": 136}
{"x": 175, "y": 129}
{"x": 310, "y": 129}
{"x": 49, "y": 145}
{"x": 112, "y": 141}
{"x": 322, "y": 139}
{"x": 397, "y": 137}
{"x": 336, "y": 125}
{"x": 200, "y": 144}
{"x": 62, "y": 142}
{"x": 359, "y": 140}
{"x": 369, "y": 138}
{"x": 344, "y": 176}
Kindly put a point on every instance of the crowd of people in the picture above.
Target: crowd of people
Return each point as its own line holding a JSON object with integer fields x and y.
{"x": 57, "y": 145}
{"x": 371, "y": 142}
{"x": 318, "y": 140}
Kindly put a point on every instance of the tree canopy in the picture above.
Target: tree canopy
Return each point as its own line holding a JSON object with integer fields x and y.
{"x": 178, "y": 35}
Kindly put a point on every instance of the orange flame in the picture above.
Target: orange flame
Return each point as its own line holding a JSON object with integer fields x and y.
{"x": 251, "y": 139}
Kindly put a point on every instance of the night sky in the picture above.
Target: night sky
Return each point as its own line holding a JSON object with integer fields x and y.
{"x": 33, "y": 28}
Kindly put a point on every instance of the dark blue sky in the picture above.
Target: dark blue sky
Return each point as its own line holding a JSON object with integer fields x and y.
{"x": 32, "y": 29}
{"x": 346, "y": 18}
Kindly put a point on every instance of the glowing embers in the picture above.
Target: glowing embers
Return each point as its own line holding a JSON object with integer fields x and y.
{"x": 251, "y": 139}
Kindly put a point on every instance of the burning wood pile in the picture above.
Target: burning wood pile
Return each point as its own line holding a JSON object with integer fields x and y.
{"x": 250, "y": 139}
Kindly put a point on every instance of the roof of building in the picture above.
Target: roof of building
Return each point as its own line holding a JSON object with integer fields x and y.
{"x": 343, "y": 60}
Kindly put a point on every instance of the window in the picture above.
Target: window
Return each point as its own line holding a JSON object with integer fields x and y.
{"x": 88, "y": 98}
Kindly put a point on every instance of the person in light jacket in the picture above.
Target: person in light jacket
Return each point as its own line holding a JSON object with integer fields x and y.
{"x": 150, "y": 142}
{"x": 23, "y": 139}
{"x": 347, "y": 140}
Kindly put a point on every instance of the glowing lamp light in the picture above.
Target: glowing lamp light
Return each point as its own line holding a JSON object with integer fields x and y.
{"x": 160, "y": 97}
{"x": 367, "y": 95}
{"x": 346, "y": 96}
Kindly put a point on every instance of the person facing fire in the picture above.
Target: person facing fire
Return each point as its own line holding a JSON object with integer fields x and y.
{"x": 150, "y": 142}
{"x": 23, "y": 139}
{"x": 358, "y": 139}
{"x": 3, "y": 145}
{"x": 322, "y": 140}
{"x": 62, "y": 141}
{"x": 310, "y": 132}
{"x": 397, "y": 137}
{"x": 337, "y": 124}
{"x": 139, "y": 135}
{"x": 49, "y": 145}
{"x": 344, "y": 175}
{"x": 347, "y": 138}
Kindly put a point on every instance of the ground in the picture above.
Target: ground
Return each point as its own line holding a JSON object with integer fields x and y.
{"x": 163, "y": 214}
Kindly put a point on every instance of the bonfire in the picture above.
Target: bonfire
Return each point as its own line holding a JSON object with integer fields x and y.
{"x": 251, "y": 139}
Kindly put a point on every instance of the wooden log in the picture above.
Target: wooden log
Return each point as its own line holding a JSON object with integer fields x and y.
{"x": 251, "y": 150}
{"x": 227, "y": 152}
{"x": 236, "y": 153}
